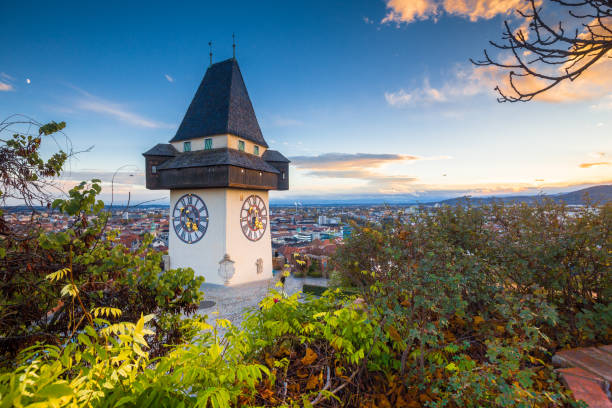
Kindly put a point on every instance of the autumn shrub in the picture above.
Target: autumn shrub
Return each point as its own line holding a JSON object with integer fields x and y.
{"x": 87, "y": 259}
{"x": 559, "y": 254}
{"x": 476, "y": 300}
{"x": 458, "y": 307}
{"x": 40, "y": 270}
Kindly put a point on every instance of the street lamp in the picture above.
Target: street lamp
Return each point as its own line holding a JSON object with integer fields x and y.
{"x": 113, "y": 180}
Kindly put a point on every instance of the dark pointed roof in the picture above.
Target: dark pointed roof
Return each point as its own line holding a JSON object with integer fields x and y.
{"x": 217, "y": 157}
{"x": 161, "y": 149}
{"x": 221, "y": 105}
{"x": 274, "y": 156}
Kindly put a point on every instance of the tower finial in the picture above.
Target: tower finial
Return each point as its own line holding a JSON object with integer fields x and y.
{"x": 210, "y": 51}
{"x": 234, "y": 45}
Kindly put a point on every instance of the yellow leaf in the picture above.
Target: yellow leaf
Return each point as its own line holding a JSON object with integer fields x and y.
{"x": 70, "y": 289}
{"x": 310, "y": 357}
{"x": 393, "y": 333}
{"x": 269, "y": 360}
{"x": 478, "y": 320}
{"x": 313, "y": 380}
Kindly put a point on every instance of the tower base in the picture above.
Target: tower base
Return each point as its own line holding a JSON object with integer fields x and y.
{"x": 224, "y": 255}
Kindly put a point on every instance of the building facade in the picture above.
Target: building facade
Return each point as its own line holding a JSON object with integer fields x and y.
{"x": 219, "y": 169}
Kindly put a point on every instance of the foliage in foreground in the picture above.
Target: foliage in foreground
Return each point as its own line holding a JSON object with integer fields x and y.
{"x": 435, "y": 324}
{"x": 330, "y": 351}
{"x": 110, "y": 367}
{"x": 459, "y": 308}
{"x": 51, "y": 282}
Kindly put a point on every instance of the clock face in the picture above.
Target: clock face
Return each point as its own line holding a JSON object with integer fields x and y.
{"x": 190, "y": 218}
{"x": 253, "y": 217}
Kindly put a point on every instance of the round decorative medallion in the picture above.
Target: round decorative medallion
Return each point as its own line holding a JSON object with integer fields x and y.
{"x": 190, "y": 218}
{"x": 253, "y": 217}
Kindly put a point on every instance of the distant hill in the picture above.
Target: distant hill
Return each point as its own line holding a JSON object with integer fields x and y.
{"x": 116, "y": 207}
{"x": 596, "y": 194}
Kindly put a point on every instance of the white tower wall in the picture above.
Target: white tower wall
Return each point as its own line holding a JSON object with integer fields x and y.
{"x": 223, "y": 236}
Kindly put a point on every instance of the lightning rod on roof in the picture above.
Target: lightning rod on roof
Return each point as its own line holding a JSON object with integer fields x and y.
{"x": 234, "y": 45}
{"x": 210, "y": 51}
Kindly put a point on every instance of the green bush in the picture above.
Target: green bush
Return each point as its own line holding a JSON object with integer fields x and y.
{"x": 110, "y": 367}
{"x": 314, "y": 269}
{"x": 40, "y": 271}
{"x": 461, "y": 307}
{"x": 544, "y": 251}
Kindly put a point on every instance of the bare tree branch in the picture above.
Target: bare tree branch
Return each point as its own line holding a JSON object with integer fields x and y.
{"x": 549, "y": 46}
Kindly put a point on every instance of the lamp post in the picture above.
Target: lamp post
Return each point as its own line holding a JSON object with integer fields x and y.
{"x": 113, "y": 180}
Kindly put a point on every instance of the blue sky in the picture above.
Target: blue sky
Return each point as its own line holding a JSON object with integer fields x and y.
{"x": 371, "y": 98}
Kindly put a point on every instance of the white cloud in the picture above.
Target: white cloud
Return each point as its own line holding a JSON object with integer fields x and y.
{"x": 604, "y": 104}
{"x": 5, "y": 85}
{"x": 92, "y": 103}
{"x": 399, "y": 98}
{"x": 367, "y": 20}
{"x": 169, "y": 78}
{"x": 464, "y": 83}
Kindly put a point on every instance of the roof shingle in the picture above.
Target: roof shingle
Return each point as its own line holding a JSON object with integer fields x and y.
{"x": 217, "y": 157}
{"x": 161, "y": 149}
{"x": 221, "y": 105}
{"x": 275, "y": 156}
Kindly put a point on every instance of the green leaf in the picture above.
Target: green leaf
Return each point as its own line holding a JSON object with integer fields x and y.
{"x": 55, "y": 390}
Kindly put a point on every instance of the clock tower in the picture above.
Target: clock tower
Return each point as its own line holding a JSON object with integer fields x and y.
{"x": 219, "y": 171}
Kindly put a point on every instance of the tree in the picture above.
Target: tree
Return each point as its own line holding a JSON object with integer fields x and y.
{"x": 24, "y": 175}
{"x": 545, "y": 55}
{"x": 52, "y": 283}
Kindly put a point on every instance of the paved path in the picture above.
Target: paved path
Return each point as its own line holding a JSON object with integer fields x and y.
{"x": 588, "y": 373}
{"x": 230, "y": 301}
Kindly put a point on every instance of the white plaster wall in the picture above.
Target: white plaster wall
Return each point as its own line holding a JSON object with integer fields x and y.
{"x": 232, "y": 142}
{"x": 203, "y": 256}
{"x": 224, "y": 235}
{"x": 219, "y": 141}
{"x": 196, "y": 144}
{"x": 243, "y": 251}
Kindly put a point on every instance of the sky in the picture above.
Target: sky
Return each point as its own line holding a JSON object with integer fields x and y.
{"x": 371, "y": 100}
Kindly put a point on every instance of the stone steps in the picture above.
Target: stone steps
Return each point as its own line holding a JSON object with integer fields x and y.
{"x": 587, "y": 371}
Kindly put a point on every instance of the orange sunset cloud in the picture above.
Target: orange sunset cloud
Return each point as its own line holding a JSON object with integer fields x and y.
{"x": 407, "y": 11}
{"x": 588, "y": 165}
